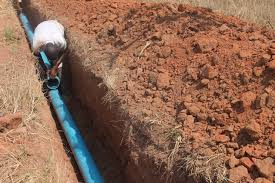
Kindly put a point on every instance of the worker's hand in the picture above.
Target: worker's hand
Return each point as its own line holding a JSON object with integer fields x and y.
{"x": 19, "y": 5}
{"x": 52, "y": 73}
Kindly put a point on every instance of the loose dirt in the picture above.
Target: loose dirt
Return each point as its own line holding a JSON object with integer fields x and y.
{"x": 197, "y": 88}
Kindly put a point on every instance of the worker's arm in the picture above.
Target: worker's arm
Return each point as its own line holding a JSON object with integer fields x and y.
{"x": 52, "y": 73}
{"x": 19, "y": 5}
{"x": 37, "y": 46}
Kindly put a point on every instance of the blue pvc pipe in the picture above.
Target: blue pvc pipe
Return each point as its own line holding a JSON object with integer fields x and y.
{"x": 83, "y": 158}
{"x": 27, "y": 26}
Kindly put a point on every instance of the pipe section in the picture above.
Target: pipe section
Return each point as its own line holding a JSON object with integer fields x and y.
{"x": 84, "y": 160}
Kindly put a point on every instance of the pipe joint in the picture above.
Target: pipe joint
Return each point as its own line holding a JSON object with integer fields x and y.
{"x": 53, "y": 83}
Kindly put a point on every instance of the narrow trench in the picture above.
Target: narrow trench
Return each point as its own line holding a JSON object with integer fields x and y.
{"x": 109, "y": 165}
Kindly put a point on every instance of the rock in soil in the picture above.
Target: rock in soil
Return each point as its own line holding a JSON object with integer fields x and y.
{"x": 260, "y": 101}
{"x": 248, "y": 98}
{"x": 270, "y": 101}
{"x": 221, "y": 138}
{"x": 239, "y": 153}
{"x": 265, "y": 167}
{"x": 245, "y": 161}
{"x": 204, "y": 45}
{"x": 163, "y": 80}
{"x": 238, "y": 173}
{"x": 252, "y": 131}
{"x": 232, "y": 145}
{"x": 271, "y": 64}
{"x": 271, "y": 153}
{"x": 245, "y": 54}
{"x": 209, "y": 72}
{"x": 232, "y": 162}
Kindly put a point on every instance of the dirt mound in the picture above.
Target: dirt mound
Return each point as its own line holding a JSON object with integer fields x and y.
{"x": 198, "y": 81}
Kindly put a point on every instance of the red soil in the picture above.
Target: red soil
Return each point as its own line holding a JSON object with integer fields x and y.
{"x": 208, "y": 76}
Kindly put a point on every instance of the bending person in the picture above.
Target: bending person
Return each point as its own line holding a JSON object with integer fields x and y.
{"x": 49, "y": 37}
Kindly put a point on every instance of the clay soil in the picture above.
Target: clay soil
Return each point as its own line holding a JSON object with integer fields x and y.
{"x": 196, "y": 86}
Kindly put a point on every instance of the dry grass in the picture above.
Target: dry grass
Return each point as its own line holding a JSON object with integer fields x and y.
{"x": 16, "y": 167}
{"x": 20, "y": 89}
{"x": 209, "y": 168}
{"x": 111, "y": 80}
{"x": 261, "y": 12}
{"x": 173, "y": 156}
{"x": 10, "y": 35}
{"x": 5, "y": 7}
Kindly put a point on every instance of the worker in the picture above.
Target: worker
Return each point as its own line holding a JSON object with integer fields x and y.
{"x": 20, "y": 5}
{"x": 49, "y": 37}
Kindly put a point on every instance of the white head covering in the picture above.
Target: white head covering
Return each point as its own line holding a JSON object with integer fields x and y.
{"x": 50, "y": 31}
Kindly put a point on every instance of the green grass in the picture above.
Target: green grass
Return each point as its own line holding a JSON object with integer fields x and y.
{"x": 10, "y": 35}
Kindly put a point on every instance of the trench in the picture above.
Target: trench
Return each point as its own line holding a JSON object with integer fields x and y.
{"x": 85, "y": 113}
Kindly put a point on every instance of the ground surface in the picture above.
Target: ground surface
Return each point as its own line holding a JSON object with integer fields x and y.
{"x": 31, "y": 149}
{"x": 200, "y": 84}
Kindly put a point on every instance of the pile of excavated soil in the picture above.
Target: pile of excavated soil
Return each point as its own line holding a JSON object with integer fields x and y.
{"x": 186, "y": 72}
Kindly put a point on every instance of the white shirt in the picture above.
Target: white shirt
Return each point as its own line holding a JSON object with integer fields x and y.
{"x": 50, "y": 31}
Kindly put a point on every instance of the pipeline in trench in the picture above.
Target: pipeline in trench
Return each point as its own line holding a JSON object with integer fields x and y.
{"x": 109, "y": 166}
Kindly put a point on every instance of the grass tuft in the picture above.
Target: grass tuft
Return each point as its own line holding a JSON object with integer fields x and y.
{"x": 10, "y": 35}
{"x": 209, "y": 168}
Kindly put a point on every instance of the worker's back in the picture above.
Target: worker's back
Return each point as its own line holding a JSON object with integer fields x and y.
{"x": 50, "y": 31}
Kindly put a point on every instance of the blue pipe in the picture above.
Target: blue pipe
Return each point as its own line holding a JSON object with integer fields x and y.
{"x": 83, "y": 158}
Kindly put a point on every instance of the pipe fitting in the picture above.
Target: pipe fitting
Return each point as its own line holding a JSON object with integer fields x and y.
{"x": 54, "y": 83}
